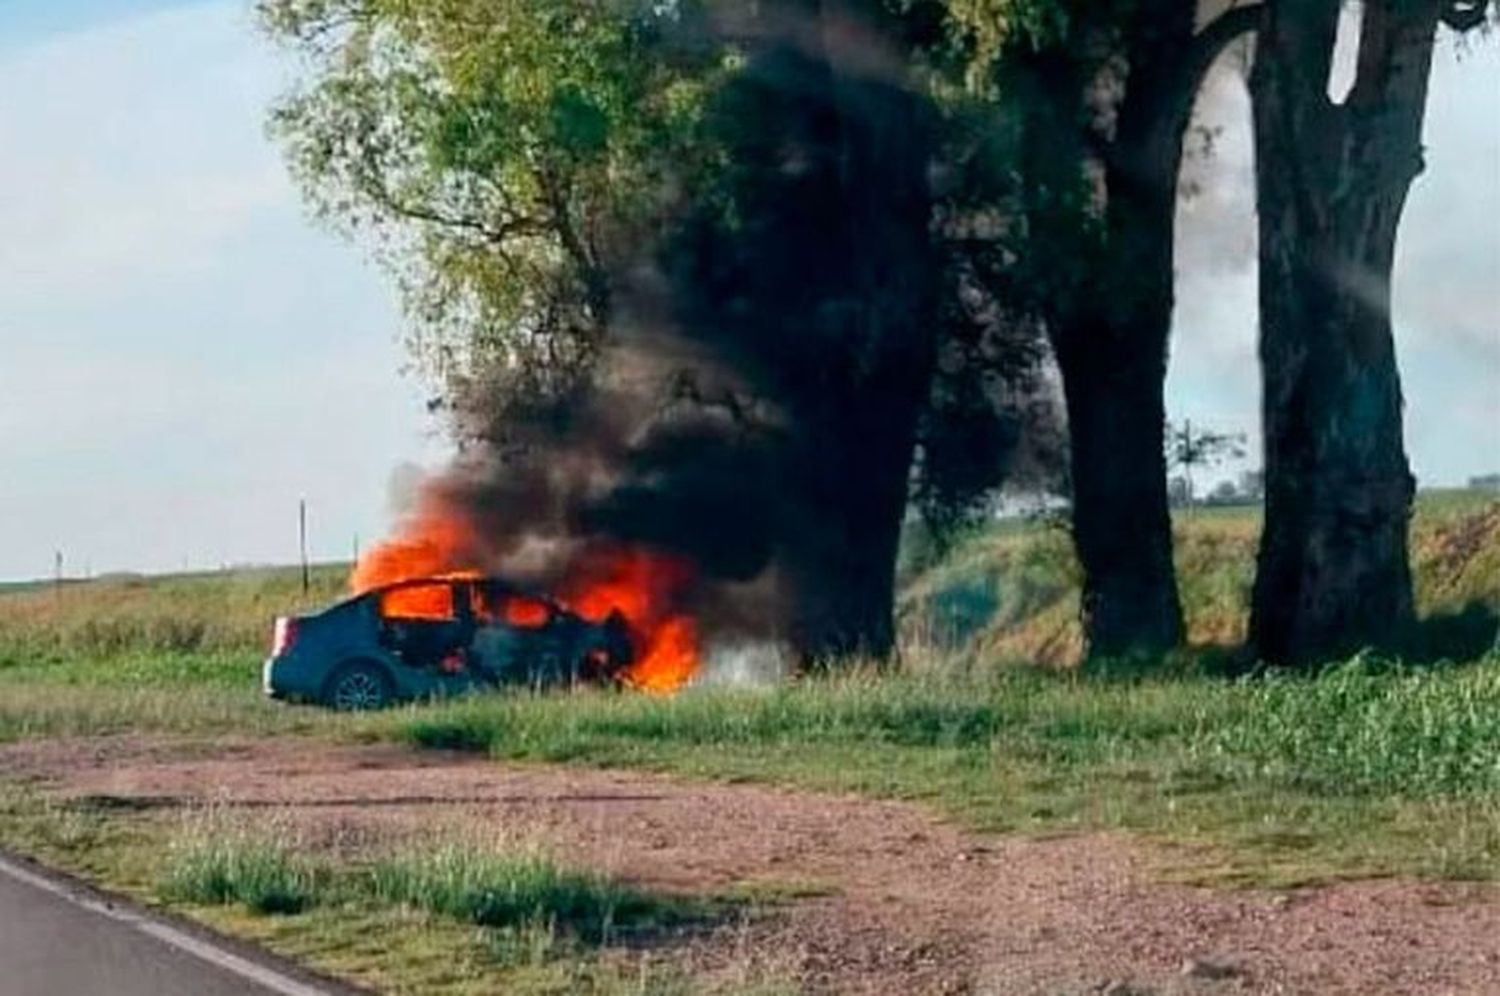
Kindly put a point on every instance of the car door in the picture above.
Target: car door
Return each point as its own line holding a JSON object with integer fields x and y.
{"x": 515, "y": 638}
{"x": 425, "y": 624}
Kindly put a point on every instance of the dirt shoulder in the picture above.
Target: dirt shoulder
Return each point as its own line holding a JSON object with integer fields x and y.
{"x": 879, "y": 897}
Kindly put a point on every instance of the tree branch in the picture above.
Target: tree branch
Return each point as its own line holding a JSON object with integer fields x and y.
{"x": 379, "y": 193}
{"x": 555, "y": 191}
{"x": 1207, "y": 45}
{"x": 1465, "y": 15}
{"x": 1149, "y": 150}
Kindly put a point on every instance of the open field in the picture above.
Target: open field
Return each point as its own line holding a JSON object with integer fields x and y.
{"x": 1374, "y": 769}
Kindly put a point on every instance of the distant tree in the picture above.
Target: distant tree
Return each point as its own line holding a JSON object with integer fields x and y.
{"x": 1253, "y": 485}
{"x": 1333, "y": 177}
{"x": 1224, "y": 493}
{"x": 1192, "y": 449}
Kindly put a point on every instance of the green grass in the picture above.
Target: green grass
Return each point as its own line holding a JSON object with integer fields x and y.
{"x": 226, "y": 864}
{"x": 516, "y": 887}
{"x": 395, "y": 917}
{"x": 1368, "y": 729}
{"x": 35, "y": 710}
{"x": 136, "y": 668}
{"x": 228, "y": 612}
{"x": 1380, "y": 770}
{"x": 1375, "y": 761}
{"x": 1362, "y": 727}
{"x": 268, "y": 867}
{"x": 1367, "y": 769}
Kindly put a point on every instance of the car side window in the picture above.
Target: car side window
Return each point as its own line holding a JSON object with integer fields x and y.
{"x": 427, "y": 625}
{"x": 509, "y": 608}
{"x": 424, "y": 603}
{"x": 527, "y": 613}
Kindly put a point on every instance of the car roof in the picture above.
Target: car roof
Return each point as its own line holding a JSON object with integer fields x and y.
{"x": 490, "y": 583}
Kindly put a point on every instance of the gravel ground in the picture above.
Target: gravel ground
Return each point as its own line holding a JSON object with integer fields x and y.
{"x": 879, "y": 897}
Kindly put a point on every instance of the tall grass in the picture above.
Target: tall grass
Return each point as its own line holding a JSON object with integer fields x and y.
{"x": 513, "y": 886}
{"x": 270, "y": 868}
{"x": 1365, "y": 728}
{"x": 1363, "y": 770}
{"x": 218, "y": 863}
{"x": 1360, "y": 728}
{"x": 224, "y": 612}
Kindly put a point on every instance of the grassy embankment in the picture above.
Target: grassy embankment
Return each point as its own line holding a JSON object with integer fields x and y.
{"x": 1372, "y": 768}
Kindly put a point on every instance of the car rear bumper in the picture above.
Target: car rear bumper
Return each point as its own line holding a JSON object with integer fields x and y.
{"x": 286, "y": 678}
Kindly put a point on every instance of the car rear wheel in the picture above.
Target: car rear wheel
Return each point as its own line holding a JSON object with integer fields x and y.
{"x": 359, "y": 686}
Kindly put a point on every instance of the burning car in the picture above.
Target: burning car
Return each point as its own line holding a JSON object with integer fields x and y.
{"x": 438, "y": 636}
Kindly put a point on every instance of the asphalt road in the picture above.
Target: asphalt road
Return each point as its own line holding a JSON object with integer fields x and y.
{"x": 57, "y": 939}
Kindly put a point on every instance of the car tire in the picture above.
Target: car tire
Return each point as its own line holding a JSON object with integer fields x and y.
{"x": 359, "y": 686}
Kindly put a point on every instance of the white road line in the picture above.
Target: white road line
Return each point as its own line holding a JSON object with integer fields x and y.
{"x": 142, "y": 923}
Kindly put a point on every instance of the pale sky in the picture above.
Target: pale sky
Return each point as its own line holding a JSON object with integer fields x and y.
{"x": 183, "y": 354}
{"x": 1447, "y": 286}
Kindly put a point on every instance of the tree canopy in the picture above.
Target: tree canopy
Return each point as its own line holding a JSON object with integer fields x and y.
{"x": 499, "y": 153}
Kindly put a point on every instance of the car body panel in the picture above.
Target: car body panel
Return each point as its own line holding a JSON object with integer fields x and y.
{"x": 434, "y": 657}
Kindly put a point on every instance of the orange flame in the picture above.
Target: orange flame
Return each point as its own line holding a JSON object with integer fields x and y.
{"x": 642, "y": 585}
{"x": 431, "y": 542}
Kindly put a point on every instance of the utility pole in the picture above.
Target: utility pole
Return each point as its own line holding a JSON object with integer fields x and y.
{"x": 302, "y": 542}
{"x": 57, "y": 573}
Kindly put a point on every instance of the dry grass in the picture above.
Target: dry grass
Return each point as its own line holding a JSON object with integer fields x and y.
{"x": 224, "y": 612}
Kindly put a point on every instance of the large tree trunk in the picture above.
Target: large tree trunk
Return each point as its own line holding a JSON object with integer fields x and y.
{"x": 818, "y": 293}
{"x": 1334, "y": 574}
{"x": 851, "y": 476}
{"x": 1122, "y": 529}
{"x": 1112, "y": 345}
{"x": 852, "y": 467}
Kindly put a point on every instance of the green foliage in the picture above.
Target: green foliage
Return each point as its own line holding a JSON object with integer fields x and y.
{"x": 498, "y": 152}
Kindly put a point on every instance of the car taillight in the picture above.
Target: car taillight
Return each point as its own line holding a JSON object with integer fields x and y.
{"x": 283, "y": 636}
